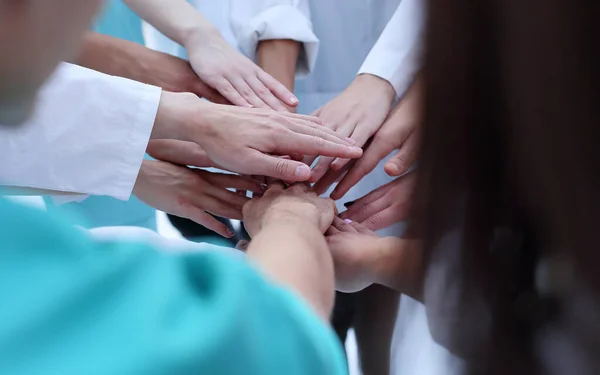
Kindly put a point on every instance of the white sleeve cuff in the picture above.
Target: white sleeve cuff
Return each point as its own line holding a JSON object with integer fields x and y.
{"x": 281, "y": 22}
{"x": 88, "y": 135}
{"x": 396, "y": 57}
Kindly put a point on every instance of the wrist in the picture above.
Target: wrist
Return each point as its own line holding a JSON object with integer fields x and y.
{"x": 301, "y": 215}
{"x": 377, "y": 84}
{"x": 199, "y": 34}
{"x": 397, "y": 264}
{"x": 174, "y": 116}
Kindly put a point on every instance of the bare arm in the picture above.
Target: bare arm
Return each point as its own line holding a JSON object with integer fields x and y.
{"x": 177, "y": 19}
{"x": 295, "y": 254}
{"x": 279, "y": 58}
{"x": 397, "y": 264}
{"x": 126, "y": 59}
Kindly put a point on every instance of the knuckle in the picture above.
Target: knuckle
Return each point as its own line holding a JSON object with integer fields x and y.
{"x": 319, "y": 141}
{"x": 374, "y": 219}
{"x": 281, "y": 168}
{"x": 263, "y": 91}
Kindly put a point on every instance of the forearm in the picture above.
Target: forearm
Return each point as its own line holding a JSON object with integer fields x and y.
{"x": 296, "y": 255}
{"x": 397, "y": 264}
{"x": 279, "y": 58}
{"x": 110, "y": 55}
{"x": 177, "y": 19}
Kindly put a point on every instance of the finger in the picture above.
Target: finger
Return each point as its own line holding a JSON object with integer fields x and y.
{"x": 231, "y": 181}
{"x": 317, "y": 144}
{"x": 310, "y": 128}
{"x": 275, "y": 167}
{"x": 360, "y": 228}
{"x": 360, "y": 203}
{"x": 321, "y": 186}
{"x": 229, "y": 198}
{"x": 332, "y": 231}
{"x": 230, "y": 93}
{"x": 320, "y": 169}
{"x": 223, "y": 208}
{"x": 382, "y": 219}
{"x": 342, "y": 225}
{"x": 199, "y": 216}
{"x": 373, "y": 154}
{"x": 367, "y": 210}
{"x": 278, "y": 89}
{"x": 265, "y": 94}
{"x": 404, "y": 158}
{"x": 247, "y": 92}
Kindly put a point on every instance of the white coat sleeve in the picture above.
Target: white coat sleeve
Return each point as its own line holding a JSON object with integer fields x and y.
{"x": 87, "y": 135}
{"x": 257, "y": 20}
{"x": 396, "y": 57}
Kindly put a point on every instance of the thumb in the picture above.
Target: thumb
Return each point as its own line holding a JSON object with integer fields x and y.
{"x": 279, "y": 168}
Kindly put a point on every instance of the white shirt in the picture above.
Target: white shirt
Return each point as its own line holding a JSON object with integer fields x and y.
{"x": 88, "y": 135}
{"x": 244, "y": 23}
{"x": 396, "y": 57}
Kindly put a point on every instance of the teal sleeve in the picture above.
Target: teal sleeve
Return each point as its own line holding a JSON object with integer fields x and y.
{"x": 73, "y": 306}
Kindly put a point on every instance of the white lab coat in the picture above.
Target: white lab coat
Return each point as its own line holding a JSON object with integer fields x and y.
{"x": 88, "y": 135}
{"x": 244, "y": 23}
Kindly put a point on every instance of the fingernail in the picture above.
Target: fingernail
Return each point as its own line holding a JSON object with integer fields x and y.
{"x": 293, "y": 99}
{"x": 348, "y": 204}
{"x": 347, "y": 221}
{"x": 264, "y": 186}
{"x": 230, "y": 233}
{"x": 302, "y": 171}
{"x": 350, "y": 140}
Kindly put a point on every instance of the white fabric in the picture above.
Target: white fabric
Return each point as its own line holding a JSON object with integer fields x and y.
{"x": 275, "y": 19}
{"x": 244, "y": 23}
{"x": 396, "y": 57}
{"x": 88, "y": 135}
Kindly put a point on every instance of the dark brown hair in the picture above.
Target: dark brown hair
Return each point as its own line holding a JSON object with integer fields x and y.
{"x": 511, "y": 144}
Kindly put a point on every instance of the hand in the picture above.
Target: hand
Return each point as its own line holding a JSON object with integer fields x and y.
{"x": 354, "y": 249}
{"x": 358, "y": 112}
{"x": 248, "y": 140}
{"x": 296, "y": 203}
{"x": 192, "y": 193}
{"x": 385, "y": 205}
{"x": 400, "y": 131}
{"x": 176, "y": 75}
{"x": 179, "y": 152}
{"x": 237, "y": 78}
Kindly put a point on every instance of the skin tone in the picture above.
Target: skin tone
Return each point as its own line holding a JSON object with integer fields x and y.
{"x": 193, "y": 193}
{"x": 215, "y": 62}
{"x": 357, "y": 112}
{"x": 279, "y": 58}
{"x": 362, "y": 258}
{"x": 247, "y": 140}
{"x": 287, "y": 226}
{"x": 384, "y": 206}
{"x": 126, "y": 59}
{"x": 401, "y": 132}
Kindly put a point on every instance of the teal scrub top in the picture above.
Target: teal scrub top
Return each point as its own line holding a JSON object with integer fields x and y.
{"x": 119, "y": 21}
{"x": 74, "y": 306}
